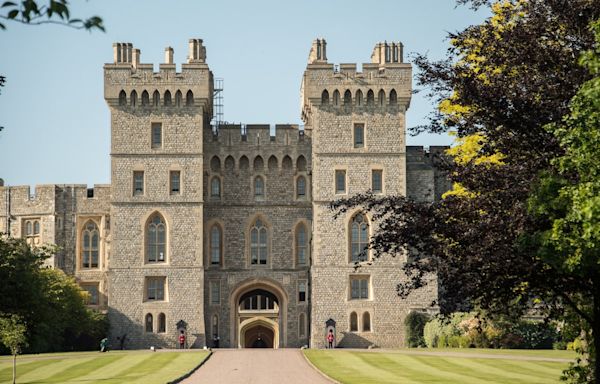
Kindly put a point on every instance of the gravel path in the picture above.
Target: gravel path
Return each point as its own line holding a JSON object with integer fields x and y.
{"x": 264, "y": 366}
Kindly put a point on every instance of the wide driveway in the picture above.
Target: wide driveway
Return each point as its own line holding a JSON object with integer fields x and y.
{"x": 264, "y": 366}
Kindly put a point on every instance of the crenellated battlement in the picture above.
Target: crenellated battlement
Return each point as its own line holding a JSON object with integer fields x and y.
{"x": 130, "y": 83}
{"x": 257, "y": 135}
{"x": 384, "y": 85}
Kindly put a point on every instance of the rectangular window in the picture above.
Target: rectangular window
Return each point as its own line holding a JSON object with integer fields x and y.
{"x": 155, "y": 288}
{"x": 359, "y": 287}
{"x": 138, "y": 183}
{"x": 340, "y": 181}
{"x": 301, "y": 291}
{"x": 93, "y": 292}
{"x": 156, "y": 135}
{"x": 359, "y": 135}
{"x": 215, "y": 292}
{"x": 175, "y": 181}
{"x": 376, "y": 180}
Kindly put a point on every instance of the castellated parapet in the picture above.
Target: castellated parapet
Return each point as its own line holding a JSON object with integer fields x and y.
{"x": 224, "y": 232}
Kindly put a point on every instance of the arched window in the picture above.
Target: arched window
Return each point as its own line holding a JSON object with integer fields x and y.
{"x": 258, "y": 163}
{"x": 189, "y": 98}
{"x": 325, "y": 97}
{"x": 156, "y": 239}
{"x": 366, "y": 322}
{"x": 90, "y": 239}
{"x": 301, "y": 187}
{"x": 244, "y": 163}
{"x": 215, "y": 245}
{"x": 393, "y": 97}
{"x": 302, "y": 325}
{"x": 381, "y": 97}
{"x": 167, "y": 99}
{"x": 353, "y": 322}
{"x": 133, "y": 98}
{"x": 336, "y": 97}
{"x": 370, "y": 97}
{"x": 36, "y": 227}
{"x": 215, "y": 164}
{"x": 29, "y": 230}
{"x": 145, "y": 98}
{"x": 258, "y": 243}
{"x": 359, "y": 97}
{"x": 178, "y": 98}
{"x": 359, "y": 237}
{"x": 286, "y": 163}
{"x": 122, "y": 98}
{"x": 149, "y": 323}
{"x": 162, "y": 323}
{"x": 301, "y": 163}
{"x": 272, "y": 163}
{"x": 301, "y": 244}
{"x": 259, "y": 187}
{"x": 156, "y": 99}
{"x": 229, "y": 163}
{"x": 215, "y": 187}
{"x": 347, "y": 97}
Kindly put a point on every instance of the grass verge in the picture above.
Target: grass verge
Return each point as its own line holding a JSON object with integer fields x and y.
{"x": 93, "y": 367}
{"x": 402, "y": 366}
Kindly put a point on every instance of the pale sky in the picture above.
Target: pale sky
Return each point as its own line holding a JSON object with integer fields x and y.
{"x": 56, "y": 122}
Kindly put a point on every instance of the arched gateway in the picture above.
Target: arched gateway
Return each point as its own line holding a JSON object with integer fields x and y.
{"x": 259, "y": 309}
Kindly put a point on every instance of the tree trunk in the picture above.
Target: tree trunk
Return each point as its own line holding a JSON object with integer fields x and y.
{"x": 14, "y": 368}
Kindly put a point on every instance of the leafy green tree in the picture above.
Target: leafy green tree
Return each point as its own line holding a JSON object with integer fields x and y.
{"x": 50, "y": 302}
{"x": 13, "y": 335}
{"x": 506, "y": 80}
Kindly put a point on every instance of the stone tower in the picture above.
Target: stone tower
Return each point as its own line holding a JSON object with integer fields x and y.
{"x": 156, "y": 273}
{"x": 357, "y": 124}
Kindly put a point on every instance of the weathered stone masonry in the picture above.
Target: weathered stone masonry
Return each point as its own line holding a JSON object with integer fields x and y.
{"x": 224, "y": 232}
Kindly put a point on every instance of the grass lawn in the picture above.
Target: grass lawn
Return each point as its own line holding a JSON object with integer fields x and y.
{"x": 411, "y": 367}
{"x": 94, "y": 367}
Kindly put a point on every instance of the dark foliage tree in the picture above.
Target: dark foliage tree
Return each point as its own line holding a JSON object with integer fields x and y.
{"x": 505, "y": 80}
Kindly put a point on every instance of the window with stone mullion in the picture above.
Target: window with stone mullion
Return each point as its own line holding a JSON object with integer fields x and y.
{"x": 155, "y": 241}
{"x": 360, "y": 239}
{"x": 90, "y": 246}
{"x": 301, "y": 245}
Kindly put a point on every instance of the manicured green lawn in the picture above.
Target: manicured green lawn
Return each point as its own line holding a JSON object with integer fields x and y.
{"x": 414, "y": 367}
{"x": 93, "y": 367}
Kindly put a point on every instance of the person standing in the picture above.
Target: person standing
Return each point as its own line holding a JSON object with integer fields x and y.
{"x": 330, "y": 339}
{"x": 182, "y": 340}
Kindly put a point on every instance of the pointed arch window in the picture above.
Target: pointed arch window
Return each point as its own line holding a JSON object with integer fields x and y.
{"x": 122, "y": 98}
{"x": 178, "y": 98}
{"x": 90, "y": 240}
{"x": 168, "y": 99}
{"x": 258, "y": 243}
{"x": 133, "y": 98}
{"x": 370, "y": 97}
{"x": 325, "y": 97}
{"x": 353, "y": 322}
{"x": 149, "y": 323}
{"x": 216, "y": 245}
{"x": 366, "y": 322}
{"x": 145, "y": 98}
{"x": 156, "y": 99}
{"x": 189, "y": 98}
{"x": 301, "y": 244}
{"x": 359, "y": 238}
{"x": 162, "y": 323}
{"x": 156, "y": 239}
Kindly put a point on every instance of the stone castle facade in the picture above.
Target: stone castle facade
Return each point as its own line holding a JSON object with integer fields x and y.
{"x": 224, "y": 232}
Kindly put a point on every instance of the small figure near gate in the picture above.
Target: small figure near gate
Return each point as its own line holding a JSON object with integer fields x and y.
{"x": 182, "y": 340}
{"x": 104, "y": 345}
{"x": 330, "y": 339}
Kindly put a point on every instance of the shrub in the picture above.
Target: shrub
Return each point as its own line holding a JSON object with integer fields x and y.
{"x": 414, "y": 324}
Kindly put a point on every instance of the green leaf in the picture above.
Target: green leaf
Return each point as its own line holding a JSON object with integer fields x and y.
{"x": 12, "y": 14}
{"x": 8, "y": 4}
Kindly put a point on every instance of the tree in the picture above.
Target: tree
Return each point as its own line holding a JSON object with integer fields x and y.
{"x": 505, "y": 80}
{"x": 55, "y": 12}
{"x": 49, "y": 302}
{"x": 13, "y": 335}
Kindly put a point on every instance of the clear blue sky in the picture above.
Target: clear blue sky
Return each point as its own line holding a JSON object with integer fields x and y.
{"x": 57, "y": 124}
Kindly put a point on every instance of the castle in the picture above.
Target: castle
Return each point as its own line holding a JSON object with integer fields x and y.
{"x": 224, "y": 232}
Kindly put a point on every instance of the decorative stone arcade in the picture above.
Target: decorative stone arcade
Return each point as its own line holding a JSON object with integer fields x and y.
{"x": 259, "y": 313}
